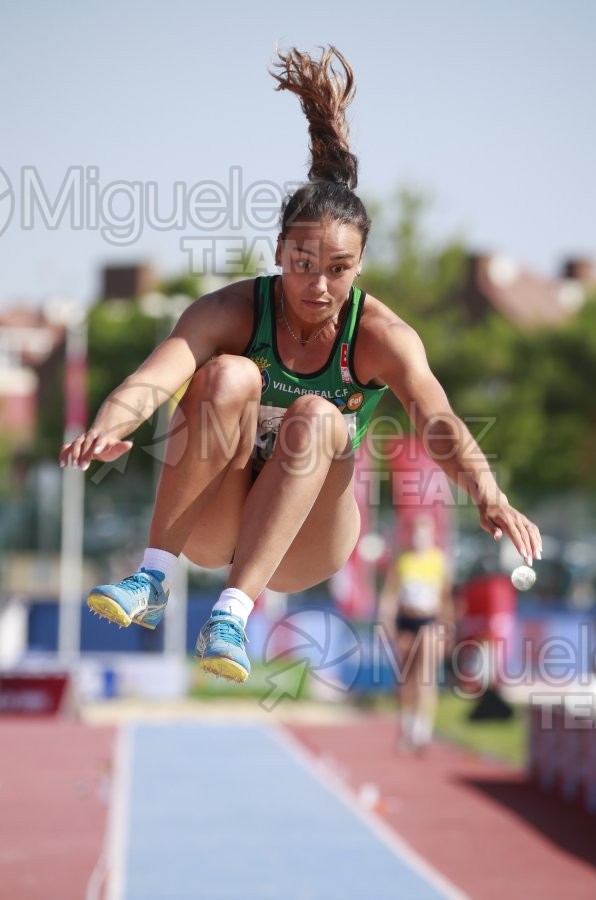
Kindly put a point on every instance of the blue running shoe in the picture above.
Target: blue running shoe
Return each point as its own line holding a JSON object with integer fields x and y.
{"x": 220, "y": 647}
{"x": 139, "y": 598}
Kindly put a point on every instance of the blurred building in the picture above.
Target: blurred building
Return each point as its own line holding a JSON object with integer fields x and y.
{"x": 31, "y": 355}
{"x": 32, "y": 348}
{"x": 495, "y": 282}
{"x": 128, "y": 282}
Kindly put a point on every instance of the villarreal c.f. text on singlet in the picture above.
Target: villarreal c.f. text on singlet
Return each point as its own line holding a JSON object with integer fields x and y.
{"x": 335, "y": 381}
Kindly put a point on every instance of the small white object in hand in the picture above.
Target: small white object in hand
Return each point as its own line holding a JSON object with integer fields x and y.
{"x": 523, "y": 578}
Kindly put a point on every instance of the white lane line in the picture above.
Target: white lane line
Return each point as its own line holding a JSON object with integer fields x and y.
{"x": 385, "y": 834}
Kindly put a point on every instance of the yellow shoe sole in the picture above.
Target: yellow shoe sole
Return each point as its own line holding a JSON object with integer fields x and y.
{"x": 109, "y": 609}
{"x": 224, "y": 668}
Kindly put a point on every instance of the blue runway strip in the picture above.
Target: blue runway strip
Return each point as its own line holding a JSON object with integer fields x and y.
{"x": 226, "y": 812}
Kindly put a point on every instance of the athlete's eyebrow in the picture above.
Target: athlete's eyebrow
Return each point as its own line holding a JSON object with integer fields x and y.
{"x": 341, "y": 254}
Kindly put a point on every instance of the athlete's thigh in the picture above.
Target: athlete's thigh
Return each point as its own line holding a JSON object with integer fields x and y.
{"x": 431, "y": 649}
{"x": 327, "y": 536}
{"x": 407, "y": 647}
{"x": 213, "y": 539}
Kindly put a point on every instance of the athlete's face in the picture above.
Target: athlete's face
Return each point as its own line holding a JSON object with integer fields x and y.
{"x": 319, "y": 262}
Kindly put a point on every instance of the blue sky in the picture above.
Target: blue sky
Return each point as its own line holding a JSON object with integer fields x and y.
{"x": 487, "y": 106}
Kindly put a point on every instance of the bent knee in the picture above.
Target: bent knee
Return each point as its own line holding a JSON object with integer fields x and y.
{"x": 314, "y": 406}
{"x": 226, "y": 378}
{"x": 313, "y": 418}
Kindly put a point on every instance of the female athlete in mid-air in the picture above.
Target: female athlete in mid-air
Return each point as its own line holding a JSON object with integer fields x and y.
{"x": 283, "y": 375}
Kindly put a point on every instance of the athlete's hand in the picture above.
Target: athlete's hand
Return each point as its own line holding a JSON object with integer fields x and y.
{"x": 92, "y": 445}
{"x": 498, "y": 517}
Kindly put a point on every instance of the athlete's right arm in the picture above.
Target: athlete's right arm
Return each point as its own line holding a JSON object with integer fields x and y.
{"x": 217, "y": 322}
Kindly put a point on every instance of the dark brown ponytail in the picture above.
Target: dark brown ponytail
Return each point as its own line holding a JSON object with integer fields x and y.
{"x": 325, "y": 91}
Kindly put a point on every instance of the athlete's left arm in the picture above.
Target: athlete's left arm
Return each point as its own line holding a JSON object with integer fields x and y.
{"x": 401, "y": 363}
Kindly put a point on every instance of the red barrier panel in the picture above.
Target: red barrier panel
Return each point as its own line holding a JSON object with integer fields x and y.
{"x": 563, "y": 753}
{"x": 33, "y": 695}
{"x": 486, "y": 608}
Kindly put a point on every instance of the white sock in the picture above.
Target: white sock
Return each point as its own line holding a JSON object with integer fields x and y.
{"x": 162, "y": 561}
{"x": 423, "y": 730}
{"x": 407, "y": 719}
{"x": 235, "y": 601}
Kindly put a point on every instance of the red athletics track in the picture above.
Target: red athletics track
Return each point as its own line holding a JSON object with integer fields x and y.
{"x": 53, "y": 803}
{"x": 475, "y": 821}
{"x": 478, "y": 822}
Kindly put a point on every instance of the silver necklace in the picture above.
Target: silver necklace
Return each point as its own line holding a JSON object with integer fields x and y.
{"x": 314, "y": 336}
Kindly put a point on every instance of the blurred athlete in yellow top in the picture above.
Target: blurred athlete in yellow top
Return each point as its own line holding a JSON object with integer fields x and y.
{"x": 418, "y": 593}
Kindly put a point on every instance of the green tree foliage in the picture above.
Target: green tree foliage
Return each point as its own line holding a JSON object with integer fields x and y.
{"x": 120, "y": 338}
{"x": 419, "y": 282}
{"x": 186, "y": 284}
{"x": 547, "y": 410}
{"x": 527, "y": 396}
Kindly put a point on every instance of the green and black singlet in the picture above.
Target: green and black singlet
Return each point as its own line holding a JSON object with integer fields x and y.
{"x": 335, "y": 381}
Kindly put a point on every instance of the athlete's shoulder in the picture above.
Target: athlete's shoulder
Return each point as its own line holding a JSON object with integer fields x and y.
{"x": 230, "y": 298}
{"x": 384, "y": 338}
{"x": 378, "y": 317}
{"x": 226, "y": 313}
